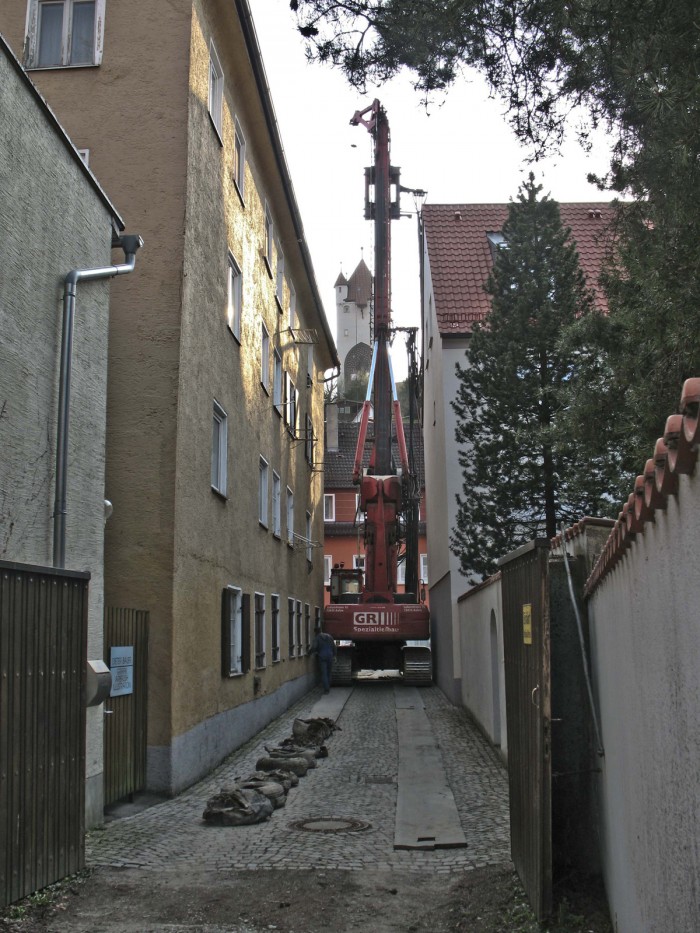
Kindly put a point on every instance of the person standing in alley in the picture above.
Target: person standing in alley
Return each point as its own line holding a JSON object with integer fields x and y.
{"x": 324, "y": 647}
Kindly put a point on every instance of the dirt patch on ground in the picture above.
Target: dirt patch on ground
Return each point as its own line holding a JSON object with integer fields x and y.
{"x": 488, "y": 900}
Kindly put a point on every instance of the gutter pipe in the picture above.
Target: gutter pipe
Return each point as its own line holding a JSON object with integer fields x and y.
{"x": 130, "y": 244}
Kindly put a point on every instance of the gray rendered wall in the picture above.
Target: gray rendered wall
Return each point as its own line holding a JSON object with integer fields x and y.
{"x": 483, "y": 670}
{"x": 645, "y": 646}
{"x": 441, "y": 629}
{"x": 52, "y": 221}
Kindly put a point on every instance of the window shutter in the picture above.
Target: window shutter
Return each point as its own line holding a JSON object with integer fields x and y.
{"x": 245, "y": 627}
{"x": 226, "y": 632}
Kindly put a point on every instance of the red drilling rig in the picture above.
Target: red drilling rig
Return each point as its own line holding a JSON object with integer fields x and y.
{"x": 375, "y": 622}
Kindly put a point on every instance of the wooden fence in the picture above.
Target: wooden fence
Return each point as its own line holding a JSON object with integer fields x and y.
{"x": 43, "y": 638}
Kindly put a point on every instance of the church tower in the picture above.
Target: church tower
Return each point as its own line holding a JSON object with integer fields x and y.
{"x": 353, "y": 308}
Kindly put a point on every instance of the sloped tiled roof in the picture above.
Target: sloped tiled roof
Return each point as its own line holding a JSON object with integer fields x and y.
{"x": 674, "y": 454}
{"x": 337, "y": 465}
{"x": 460, "y": 256}
{"x": 360, "y": 284}
{"x": 341, "y": 280}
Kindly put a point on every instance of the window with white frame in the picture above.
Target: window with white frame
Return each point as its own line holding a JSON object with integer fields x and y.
{"x": 269, "y": 237}
{"x": 424, "y": 568}
{"x": 216, "y": 91}
{"x": 238, "y": 157}
{"x": 277, "y": 382}
{"x": 309, "y": 440}
{"x": 279, "y": 278}
{"x": 235, "y": 295}
{"x": 309, "y": 366}
{"x": 292, "y": 308}
{"x": 233, "y": 660}
{"x": 327, "y": 567}
{"x": 401, "y": 572}
{"x": 219, "y": 448}
{"x": 264, "y": 357}
{"x": 276, "y": 505}
{"x": 297, "y": 630}
{"x": 329, "y": 507}
{"x": 357, "y": 504}
{"x": 358, "y": 561}
{"x": 64, "y": 33}
{"x": 290, "y": 516}
{"x": 263, "y": 482}
{"x": 309, "y": 549}
{"x": 291, "y": 404}
{"x": 275, "y": 626}
{"x": 291, "y": 615}
{"x": 259, "y": 630}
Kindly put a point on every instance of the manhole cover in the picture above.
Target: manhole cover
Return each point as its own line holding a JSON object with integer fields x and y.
{"x": 330, "y": 825}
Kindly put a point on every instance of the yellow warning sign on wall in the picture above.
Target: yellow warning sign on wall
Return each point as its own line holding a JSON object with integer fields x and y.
{"x": 527, "y": 623}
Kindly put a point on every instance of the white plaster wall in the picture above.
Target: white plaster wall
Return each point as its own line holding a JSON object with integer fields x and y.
{"x": 483, "y": 694}
{"x": 645, "y": 648}
{"x": 53, "y": 221}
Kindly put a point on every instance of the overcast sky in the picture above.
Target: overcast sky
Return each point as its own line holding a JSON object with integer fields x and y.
{"x": 460, "y": 150}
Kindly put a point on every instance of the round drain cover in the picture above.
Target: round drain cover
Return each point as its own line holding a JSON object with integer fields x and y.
{"x": 330, "y": 825}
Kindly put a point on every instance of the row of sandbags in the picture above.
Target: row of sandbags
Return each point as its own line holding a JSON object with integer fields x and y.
{"x": 252, "y": 799}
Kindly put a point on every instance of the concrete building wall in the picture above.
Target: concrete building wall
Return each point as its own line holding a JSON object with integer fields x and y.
{"x": 442, "y": 483}
{"x": 53, "y": 221}
{"x": 645, "y": 655}
{"x": 483, "y": 668}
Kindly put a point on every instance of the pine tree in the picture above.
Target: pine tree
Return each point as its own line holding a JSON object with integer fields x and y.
{"x": 520, "y": 479}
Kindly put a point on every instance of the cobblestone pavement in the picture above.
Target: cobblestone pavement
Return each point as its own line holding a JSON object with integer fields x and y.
{"x": 357, "y": 781}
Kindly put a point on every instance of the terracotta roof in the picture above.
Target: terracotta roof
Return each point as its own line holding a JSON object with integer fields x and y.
{"x": 360, "y": 284}
{"x": 674, "y": 454}
{"x": 460, "y": 255}
{"x": 337, "y": 465}
{"x": 341, "y": 280}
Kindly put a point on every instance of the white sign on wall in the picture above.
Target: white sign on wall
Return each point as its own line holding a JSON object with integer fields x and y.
{"x": 121, "y": 664}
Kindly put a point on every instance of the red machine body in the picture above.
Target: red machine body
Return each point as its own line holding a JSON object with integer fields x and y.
{"x": 366, "y": 609}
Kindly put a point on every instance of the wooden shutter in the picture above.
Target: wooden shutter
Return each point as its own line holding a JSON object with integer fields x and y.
{"x": 245, "y": 638}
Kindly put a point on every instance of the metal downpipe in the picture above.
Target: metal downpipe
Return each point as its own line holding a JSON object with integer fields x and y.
{"x": 130, "y": 244}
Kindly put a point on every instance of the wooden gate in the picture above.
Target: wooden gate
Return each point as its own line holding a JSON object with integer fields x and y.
{"x": 126, "y": 715}
{"x": 43, "y": 639}
{"x": 526, "y": 642}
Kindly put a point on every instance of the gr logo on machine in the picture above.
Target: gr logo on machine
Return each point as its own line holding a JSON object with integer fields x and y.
{"x": 385, "y": 620}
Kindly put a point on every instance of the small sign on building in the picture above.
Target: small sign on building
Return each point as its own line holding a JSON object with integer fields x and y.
{"x": 121, "y": 664}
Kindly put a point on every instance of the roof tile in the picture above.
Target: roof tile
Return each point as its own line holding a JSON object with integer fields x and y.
{"x": 460, "y": 255}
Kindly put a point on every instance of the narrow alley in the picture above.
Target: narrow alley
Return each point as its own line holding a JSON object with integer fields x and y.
{"x": 164, "y": 869}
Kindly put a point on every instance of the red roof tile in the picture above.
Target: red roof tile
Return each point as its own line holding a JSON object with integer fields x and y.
{"x": 460, "y": 256}
{"x": 675, "y": 454}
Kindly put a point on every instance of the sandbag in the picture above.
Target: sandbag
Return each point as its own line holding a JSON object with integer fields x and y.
{"x": 298, "y": 766}
{"x": 292, "y": 751}
{"x": 274, "y": 792}
{"x": 286, "y": 778}
{"x": 236, "y": 806}
{"x": 312, "y": 731}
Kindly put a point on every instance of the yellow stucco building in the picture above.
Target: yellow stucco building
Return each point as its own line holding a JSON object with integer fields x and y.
{"x": 217, "y": 352}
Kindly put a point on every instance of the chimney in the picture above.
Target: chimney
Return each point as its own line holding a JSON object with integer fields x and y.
{"x": 332, "y": 427}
